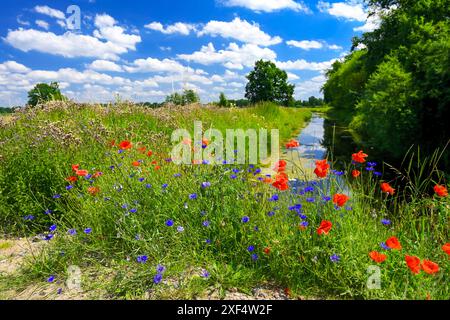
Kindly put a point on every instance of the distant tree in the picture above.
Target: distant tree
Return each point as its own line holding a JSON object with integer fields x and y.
{"x": 43, "y": 92}
{"x": 175, "y": 98}
{"x": 223, "y": 102}
{"x": 268, "y": 83}
{"x": 190, "y": 96}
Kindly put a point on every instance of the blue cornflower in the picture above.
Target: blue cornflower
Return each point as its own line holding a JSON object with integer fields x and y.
{"x": 206, "y": 184}
{"x": 120, "y": 151}
{"x": 274, "y": 198}
{"x": 251, "y": 248}
{"x": 326, "y": 198}
{"x": 255, "y": 228}
{"x": 224, "y": 162}
{"x": 124, "y": 206}
{"x": 310, "y": 199}
{"x": 193, "y": 196}
{"x": 372, "y": 164}
{"x": 176, "y": 175}
{"x": 165, "y": 185}
{"x": 309, "y": 189}
{"x": 160, "y": 268}
{"x": 59, "y": 291}
{"x": 304, "y": 224}
{"x": 52, "y": 227}
{"x": 386, "y": 222}
{"x": 48, "y": 237}
{"x": 296, "y": 207}
{"x": 257, "y": 171}
{"x": 378, "y": 174}
{"x": 137, "y": 237}
{"x": 169, "y": 223}
{"x": 369, "y": 168}
{"x": 338, "y": 173}
{"x": 180, "y": 229}
{"x": 51, "y": 279}
{"x": 88, "y": 230}
{"x": 245, "y": 219}
{"x": 271, "y": 213}
{"x": 384, "y": 246}
{"x": 205, "y": 161}
{"x": 107, "y": 198}
{"x": 349, "y": 208}
{"x": 205, "y": 223}
{"x": 72, "y": 232}
{"x": 88, "y": 176}
{"x": 56, "y": 196}
{"x": 111, "y": 167}
{"x": 335, "y": 258}
{"x": 203, "y": 212}
{"x": 235, "y": 170}
{"x": 208, "y": 241}
{"x": 142, "y": 259}
{"x": 254, "y": 257}
{"x": 148, "y": 185}
{"x": 168, "y": 160}
{"x": 141, "y": 179}
{"x": 134, "y": 210}
{"x": 302, "y": 216}
{"x": 204, "y": 274}
{"x": 28, "y": 217}
{"x": 69, "y": 187}
{"x": 233, "y": 176}
{"x": 157, "y": 278}
{"x": 260, "y": 178}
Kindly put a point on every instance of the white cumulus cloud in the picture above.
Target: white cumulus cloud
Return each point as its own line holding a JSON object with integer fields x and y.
{"x": 178, "y": 27}
{"x": 239, "y": 30}
{"x": 267, "y": 5}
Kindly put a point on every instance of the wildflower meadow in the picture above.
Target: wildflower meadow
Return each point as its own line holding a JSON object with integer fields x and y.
{"x": 97, "y": 186}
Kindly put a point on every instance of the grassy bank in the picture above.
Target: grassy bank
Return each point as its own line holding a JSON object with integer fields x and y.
{"x": 146, "y": 227}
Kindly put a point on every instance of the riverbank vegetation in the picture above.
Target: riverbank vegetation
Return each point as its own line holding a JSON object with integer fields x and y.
{"x": 393, "y": 88}
{"x": 98, "y": 187}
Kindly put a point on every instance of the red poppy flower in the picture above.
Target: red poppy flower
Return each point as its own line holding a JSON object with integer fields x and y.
{"x": 281, "y": 181}
{"x": 142, "y": 149}
{"x": 359, "y": 157}
{"x": 430, "y": 267}
{"x": 266, "y": 250}
{"x": 81, "y": 173}
{"x": 446, "y": 248}
{"x": 136, "y": 163}
{"x": 280, "y": 166}
{"x": 393, "y": 243}
{"x": 124, "y": 145}
{"x": 93, "y": 190}
{"x": 205, "y": 142}
{"x": 356, "y": 173}
{"x": 324, "y": 228}
{"x": 292, "y": 144}
{"x": 377, "y": 257}
{"x": 149, "y": 153}
{"x": 320, "y": 173}
{"x": 157, "y": 167}
{"x": 413, "y": 264}
{"x": 72, "y": 179}
{"x": 267, "y": 180}
{"x": 340, "y": 199}
{"x": 441, "y": 191}
{"x": 75, "y": 167}
{"x": 385, "y": 187}
{"x": 112, "y": 143}
{"x": 322, "y": 167}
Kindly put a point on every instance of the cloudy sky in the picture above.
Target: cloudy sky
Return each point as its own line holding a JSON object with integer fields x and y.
{"x": 142, "y": 50}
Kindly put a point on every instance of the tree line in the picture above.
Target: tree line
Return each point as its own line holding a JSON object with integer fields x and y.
{"x": 393, "y": 88}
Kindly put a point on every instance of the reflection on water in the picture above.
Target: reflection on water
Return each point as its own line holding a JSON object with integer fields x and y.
{"x": 311, "y": 139}
{"x": 316, "y": 143}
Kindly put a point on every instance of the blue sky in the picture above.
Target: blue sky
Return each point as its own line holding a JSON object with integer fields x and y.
{"x": 142, "y": 50}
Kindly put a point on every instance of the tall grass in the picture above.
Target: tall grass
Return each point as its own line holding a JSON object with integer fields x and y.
{"x": 107, "y": 233}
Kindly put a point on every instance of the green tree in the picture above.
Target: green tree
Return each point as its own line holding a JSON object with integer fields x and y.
{"x": 223, "y": 102}
{"x": 43, "y": 92}
{"x": 190, "y": 96}
{"x": 268, "y": 83}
